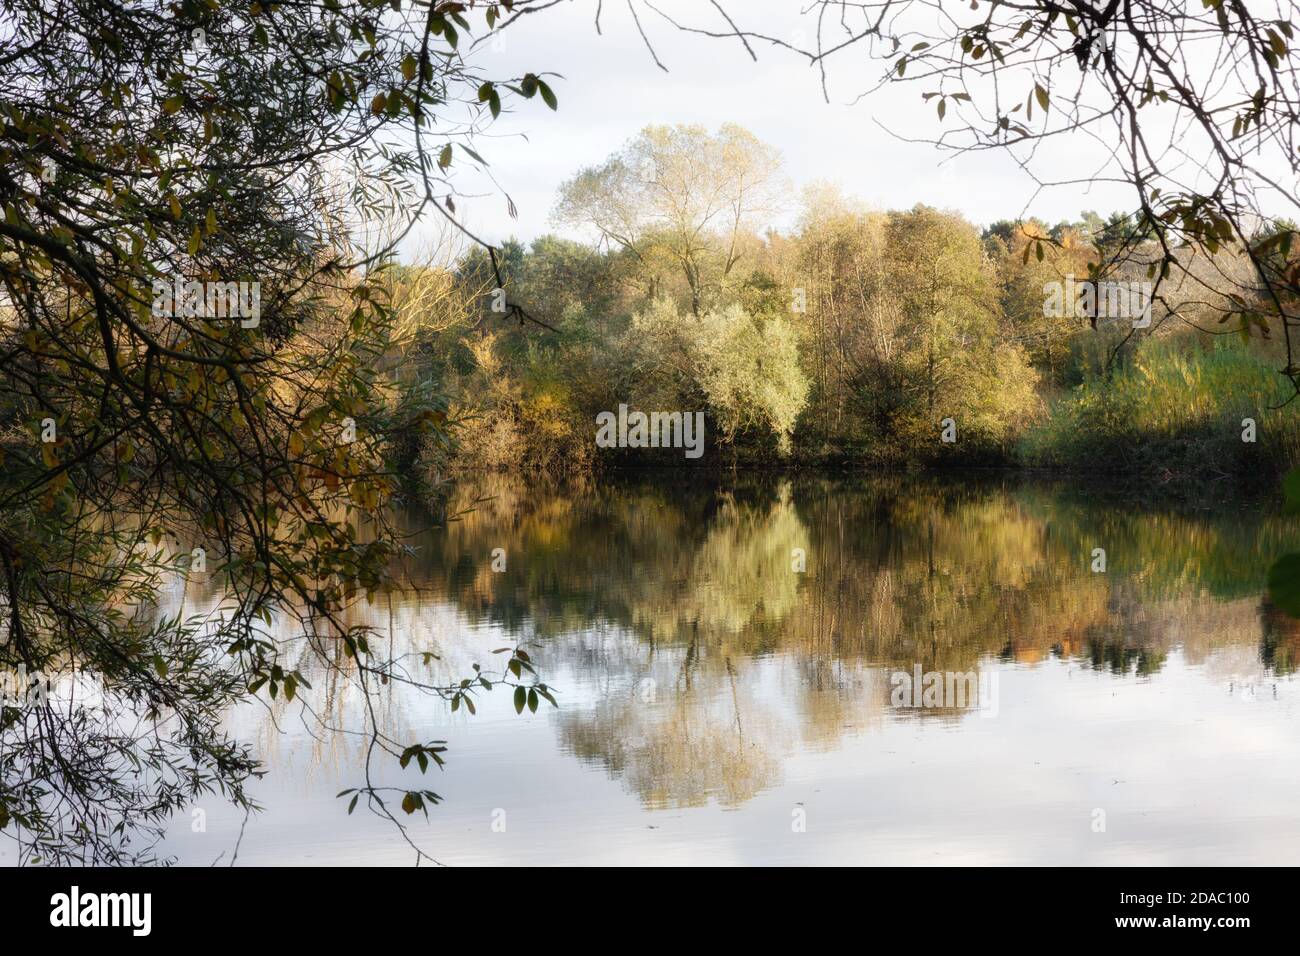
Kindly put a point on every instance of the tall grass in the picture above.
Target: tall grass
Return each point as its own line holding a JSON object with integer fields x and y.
{"x": 1175, "y": 408}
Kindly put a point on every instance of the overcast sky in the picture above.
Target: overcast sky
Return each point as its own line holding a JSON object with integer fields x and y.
{"x": 611, "y": 88}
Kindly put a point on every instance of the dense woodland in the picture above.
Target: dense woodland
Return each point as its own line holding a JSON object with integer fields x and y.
{"x": 293, "y": 146}
{"x": 846, "y": 340}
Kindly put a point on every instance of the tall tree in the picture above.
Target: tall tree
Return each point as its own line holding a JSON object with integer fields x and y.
{"x": 189, "y": 336}
{"x": 680, "y": 194}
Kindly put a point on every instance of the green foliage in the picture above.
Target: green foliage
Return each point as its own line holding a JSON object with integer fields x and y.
{"x": 853, "y": 339}
{"x": 1175, "y": 408}
{"x": 746, "y": 369}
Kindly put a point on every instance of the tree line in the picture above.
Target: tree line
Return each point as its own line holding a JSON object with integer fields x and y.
{"x": 850, "y": 337}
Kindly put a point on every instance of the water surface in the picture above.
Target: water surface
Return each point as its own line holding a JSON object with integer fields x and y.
{"x": 720, "y": 705}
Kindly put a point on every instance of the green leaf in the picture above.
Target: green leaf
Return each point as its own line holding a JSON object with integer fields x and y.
{"x": 479, "y": 159}
{"x": 1042, "y": 96}
{"x": 548, "y": 96}
{"x": 521, "y": 697}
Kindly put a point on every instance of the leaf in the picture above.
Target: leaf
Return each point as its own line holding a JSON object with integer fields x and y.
{"x": 378, "y": 103}
{"x": 408, "y": 803}
{"x": 548, "y": 97}
{"x": 521, "y": 697}
{"x": 409, "y": 67}
{"x": 1042, "y": 96}
{"x": 532, "y": 700}
{"x": 173, "y": 103}
{"x": 1284, "y": 583}
{"x": 444, "y": 158}
{"x": 353, "y": 805}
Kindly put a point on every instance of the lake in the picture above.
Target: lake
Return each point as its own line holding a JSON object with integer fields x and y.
{"x": 734, "y": 665}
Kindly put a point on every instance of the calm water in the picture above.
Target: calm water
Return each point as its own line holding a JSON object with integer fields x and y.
{"x": 719, "y": 706}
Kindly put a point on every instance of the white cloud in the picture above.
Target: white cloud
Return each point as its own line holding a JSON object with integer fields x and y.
{"x": 611, "y": 88}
